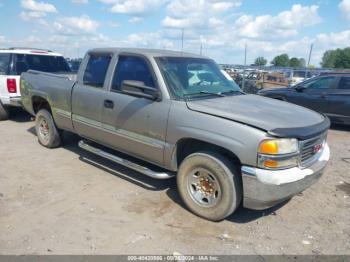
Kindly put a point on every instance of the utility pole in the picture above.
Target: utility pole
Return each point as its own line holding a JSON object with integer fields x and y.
{"x": 245, "y": 63}
{"x": 201, "y": 49}
{"x": 182, "y": 40}
{"x": 308, "y": 61}
{"x": 310, "y": 53}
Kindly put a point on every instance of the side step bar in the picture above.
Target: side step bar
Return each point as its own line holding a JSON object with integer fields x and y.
{"x": 142, "y": 169}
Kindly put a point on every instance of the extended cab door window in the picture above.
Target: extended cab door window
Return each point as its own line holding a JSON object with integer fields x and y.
{"x": 132, "y": 68}
{"x": 96, "y": 70}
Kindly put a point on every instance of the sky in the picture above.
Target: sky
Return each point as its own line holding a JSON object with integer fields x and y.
{"x": 221, "y": 27}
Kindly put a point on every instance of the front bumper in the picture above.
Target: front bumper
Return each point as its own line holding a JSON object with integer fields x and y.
{"x": 265, "y": 188}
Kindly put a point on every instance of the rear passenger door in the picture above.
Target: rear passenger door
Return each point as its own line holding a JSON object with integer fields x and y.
{"x": 135, "y": 125}
{"x": 88, "y": 96}
{"x": 339, "y": 101}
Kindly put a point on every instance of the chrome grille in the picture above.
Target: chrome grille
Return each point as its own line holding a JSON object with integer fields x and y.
{"x": 307, "y": 149}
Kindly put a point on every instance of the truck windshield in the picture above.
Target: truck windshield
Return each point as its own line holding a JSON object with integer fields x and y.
{"x": 45, "y": 63}
{"x": 195, "y": 77}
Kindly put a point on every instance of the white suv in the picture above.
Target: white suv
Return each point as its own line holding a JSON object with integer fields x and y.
{"x": 13, "y": 62}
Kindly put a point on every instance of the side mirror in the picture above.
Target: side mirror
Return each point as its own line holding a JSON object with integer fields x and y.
{"x": 139, "y": 89}
{"x": 300, "y": 88}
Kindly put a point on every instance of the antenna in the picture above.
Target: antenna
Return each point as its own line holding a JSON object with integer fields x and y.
{"x": 245, "y": 63}
{"x": 182, "y": 39}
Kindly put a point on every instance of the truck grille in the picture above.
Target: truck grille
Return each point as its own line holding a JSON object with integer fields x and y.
{"x": 308, "y": 149}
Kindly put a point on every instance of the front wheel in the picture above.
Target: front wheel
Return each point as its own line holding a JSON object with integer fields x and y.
{"x": 209, "y": 185}
{"x": 46, "y": 129}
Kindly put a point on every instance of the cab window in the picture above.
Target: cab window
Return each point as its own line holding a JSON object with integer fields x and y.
{"x": 96, "y": 70}
{"x": 322, "y": 83}
{"x": 44, "y": 63}
{"x": 132, "y": 68}
{"x": 4, "y": 63}
{"x": 344, "y": 83}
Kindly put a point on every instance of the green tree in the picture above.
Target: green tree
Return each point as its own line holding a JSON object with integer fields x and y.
{"x": 281, "y": 60}
{"x": 343, "y": 58}
{"x": 294, "y": 62}
{"x": 338, "y": 58}
{"x": 328, "y": 59}
{"x": 260, "y": 61}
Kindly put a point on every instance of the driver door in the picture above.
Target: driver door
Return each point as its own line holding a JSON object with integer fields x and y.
{"x": 313, "y": 94}
{"x": 135, "y": 125}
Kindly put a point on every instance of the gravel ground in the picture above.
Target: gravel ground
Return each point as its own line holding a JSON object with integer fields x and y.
{"x": 67, "y": 201}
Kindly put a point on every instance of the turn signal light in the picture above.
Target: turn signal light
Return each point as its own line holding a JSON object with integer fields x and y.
{"x": 268, "y": 147}
{"x": 270, "y": 163}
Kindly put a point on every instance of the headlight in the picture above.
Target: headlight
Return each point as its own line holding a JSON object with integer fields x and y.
{"x": 278, "y": 153}
{"x": 279, "y": 146}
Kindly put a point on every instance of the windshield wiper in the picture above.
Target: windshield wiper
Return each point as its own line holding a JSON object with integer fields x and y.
{"x": 211, "y": 93}
{"x": 189, "y": 96}
{"x": 232, "y": 91}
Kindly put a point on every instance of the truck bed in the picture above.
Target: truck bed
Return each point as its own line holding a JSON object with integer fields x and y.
{"x": 56, "y": 88}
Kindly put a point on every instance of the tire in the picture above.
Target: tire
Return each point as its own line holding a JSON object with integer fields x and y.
{"x": 46, "y": 130}
{"x": 218, "y": 196}
{"x": 4, "y": 112}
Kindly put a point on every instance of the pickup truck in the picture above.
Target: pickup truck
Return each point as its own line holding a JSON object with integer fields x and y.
{"x": 13, "y": 62}
{"x": 166, "y": 113}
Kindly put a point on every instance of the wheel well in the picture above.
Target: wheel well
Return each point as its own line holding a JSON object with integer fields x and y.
{"x": 40, "y": 103}
{"x": 188, "y": 146}
{"x": 279, "y": 98}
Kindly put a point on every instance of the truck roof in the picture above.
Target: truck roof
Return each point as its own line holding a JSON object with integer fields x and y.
{"x": 29, "y": 51}
{"x": 146, "y": 52}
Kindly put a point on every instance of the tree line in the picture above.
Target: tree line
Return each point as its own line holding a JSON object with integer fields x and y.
{"x": 282, "y": 60}
{"x": 338, "y": 58}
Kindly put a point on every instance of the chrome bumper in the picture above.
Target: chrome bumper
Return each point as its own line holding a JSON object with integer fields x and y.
{"x": 265, "y": 188}
{"x": 16, "y": 101}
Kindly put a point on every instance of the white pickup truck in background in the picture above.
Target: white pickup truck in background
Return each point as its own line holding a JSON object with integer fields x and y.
{"x": 13, "y": 62}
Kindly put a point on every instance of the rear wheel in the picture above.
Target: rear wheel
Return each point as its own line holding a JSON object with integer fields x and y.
{"x": 209, "y": 185}
{"x": 46, "y": 130}
{"x": 4, "y": 112}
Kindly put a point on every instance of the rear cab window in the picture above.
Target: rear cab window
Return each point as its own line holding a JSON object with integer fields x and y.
{"x": 44, "y": 63}
{"x": 5, "y": 59}
{"x": 96, "y": 70}
{"x": 344, "y": 83}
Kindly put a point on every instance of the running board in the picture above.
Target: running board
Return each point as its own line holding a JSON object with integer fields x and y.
{"x": 142, "y": 169}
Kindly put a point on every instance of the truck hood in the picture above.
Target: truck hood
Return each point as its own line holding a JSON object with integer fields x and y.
{"x": 278, "y": 118}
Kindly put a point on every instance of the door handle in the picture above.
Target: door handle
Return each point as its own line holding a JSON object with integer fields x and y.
{"x": 108, "y": 104}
